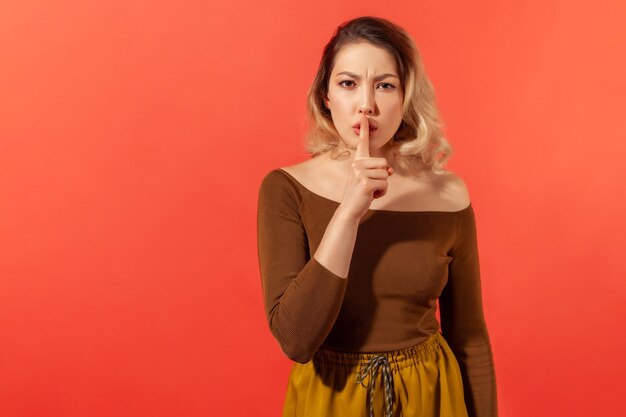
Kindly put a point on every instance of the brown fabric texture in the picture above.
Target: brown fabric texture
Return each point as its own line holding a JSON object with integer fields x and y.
{"x": 403, "y": 261}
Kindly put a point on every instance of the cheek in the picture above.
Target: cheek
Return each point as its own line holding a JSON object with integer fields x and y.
{"x": 339, "y": 104}
{"x": 340, "y": 114}
{"x": 396, "y": 111}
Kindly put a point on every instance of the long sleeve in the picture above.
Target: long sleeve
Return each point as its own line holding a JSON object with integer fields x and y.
{"x": 302, "y": 298}
{"x": 463, "y": 324}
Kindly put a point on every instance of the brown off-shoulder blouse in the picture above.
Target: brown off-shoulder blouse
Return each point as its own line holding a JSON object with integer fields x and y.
{"x": 403, "y": 261}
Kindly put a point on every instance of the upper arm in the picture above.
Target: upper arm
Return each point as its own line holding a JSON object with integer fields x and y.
{"x": 281, "y": 238}
{"x": 302, "y": 297}
{"x": 461, "y": 299}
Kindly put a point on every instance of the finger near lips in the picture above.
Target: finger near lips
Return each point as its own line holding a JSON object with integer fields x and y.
{"x": 362, "y": 148}
{"x": 364, "y": 132}
{"x": 362, "y": 152}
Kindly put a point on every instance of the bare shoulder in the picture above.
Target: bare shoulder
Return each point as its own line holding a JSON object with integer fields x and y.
{"x": 316, "y": 176}
{"x": 454, "y": 191}
{"x": 302, "y": 172}
{"x": 296, "y": 168}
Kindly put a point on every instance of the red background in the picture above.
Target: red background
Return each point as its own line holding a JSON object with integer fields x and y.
{"x": 134, "y": 136}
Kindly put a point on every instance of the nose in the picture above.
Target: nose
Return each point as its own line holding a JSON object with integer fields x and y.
{"x": 367, "y": 103}
{"x": 365, "y": 110}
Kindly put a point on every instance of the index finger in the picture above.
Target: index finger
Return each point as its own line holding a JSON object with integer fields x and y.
{"x": 363, "y": 145}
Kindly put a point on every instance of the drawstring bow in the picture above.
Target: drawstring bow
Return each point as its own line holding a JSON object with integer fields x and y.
{"x": 371, "y": 368}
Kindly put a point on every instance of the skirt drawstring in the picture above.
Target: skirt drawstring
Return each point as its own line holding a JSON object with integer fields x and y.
{"x": 371, "y": 367}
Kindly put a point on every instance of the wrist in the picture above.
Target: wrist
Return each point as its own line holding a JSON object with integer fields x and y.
{"x": 344, "y": 214}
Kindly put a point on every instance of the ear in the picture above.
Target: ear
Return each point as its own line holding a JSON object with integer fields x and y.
{"x": 327, "y": 103}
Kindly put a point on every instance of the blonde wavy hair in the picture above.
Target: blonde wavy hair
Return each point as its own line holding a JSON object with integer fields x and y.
{"x": 419, "y": 141}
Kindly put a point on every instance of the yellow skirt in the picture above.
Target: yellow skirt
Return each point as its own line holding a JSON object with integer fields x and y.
{"x": 424, "y": 380}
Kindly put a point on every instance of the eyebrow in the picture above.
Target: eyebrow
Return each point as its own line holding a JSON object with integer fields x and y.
{"x": 358, "y": 77}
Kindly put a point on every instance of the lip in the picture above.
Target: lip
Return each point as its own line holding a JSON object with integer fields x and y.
{"x": 357, "y": 130}
{"x": 372, "y": 124}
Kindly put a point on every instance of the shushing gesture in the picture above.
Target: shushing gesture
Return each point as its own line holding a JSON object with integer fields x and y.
{"x": 367, "y": 179}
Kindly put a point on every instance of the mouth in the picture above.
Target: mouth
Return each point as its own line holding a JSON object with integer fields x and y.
{"x": 357, "y": 130}
{"x": 372, "y": 125}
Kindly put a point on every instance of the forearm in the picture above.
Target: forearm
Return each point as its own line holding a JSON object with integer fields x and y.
{"x": 302, "y": 315}
{"x": 337, "y": 245}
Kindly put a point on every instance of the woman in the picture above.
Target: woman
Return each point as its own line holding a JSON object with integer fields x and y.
{"x": 357, "y": 244}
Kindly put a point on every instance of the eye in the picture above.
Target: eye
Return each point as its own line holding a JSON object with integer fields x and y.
{"x": 345, "y": 81}
{"x": 389, "y": 86}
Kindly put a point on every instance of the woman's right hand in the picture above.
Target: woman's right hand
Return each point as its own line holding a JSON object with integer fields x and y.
{"x": 367, "y": 179}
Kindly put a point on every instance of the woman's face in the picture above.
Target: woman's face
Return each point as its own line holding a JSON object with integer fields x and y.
{"x": 364, "y": 79}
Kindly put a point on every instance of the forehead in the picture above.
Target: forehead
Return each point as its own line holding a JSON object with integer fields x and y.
{"x": 364, "y": 57}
